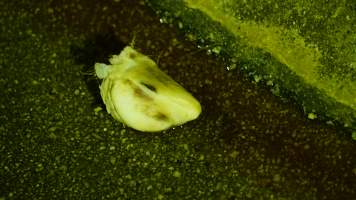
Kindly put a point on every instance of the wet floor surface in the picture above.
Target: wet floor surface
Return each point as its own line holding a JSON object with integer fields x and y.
{"x": 58, "y": 141}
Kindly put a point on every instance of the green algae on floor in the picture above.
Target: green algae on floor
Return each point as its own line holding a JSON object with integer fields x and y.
{"x": 299, "y": 54}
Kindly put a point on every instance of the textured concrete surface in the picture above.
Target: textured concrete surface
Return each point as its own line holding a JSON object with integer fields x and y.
{"x": 57, "y": 141}
{"x": 305, "y": 53}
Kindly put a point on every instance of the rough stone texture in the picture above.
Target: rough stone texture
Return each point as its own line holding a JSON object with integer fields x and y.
{"x": 57, "y": 141}
{"x": 305, "y": 53}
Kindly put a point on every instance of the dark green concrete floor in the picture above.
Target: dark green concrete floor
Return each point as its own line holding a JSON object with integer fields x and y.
{"x": 58, "y": 142}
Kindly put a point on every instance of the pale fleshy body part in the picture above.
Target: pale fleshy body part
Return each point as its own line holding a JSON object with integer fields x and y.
{"x": 137, "y": 93}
